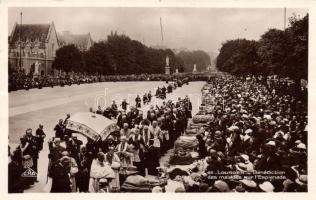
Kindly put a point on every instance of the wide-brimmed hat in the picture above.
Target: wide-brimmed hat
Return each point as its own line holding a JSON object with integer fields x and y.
{"x": 240, "y": 189}
{"x": 245, "y": 158}
{"x": 249, "y": 183}
{"x": 248, "y": 131}
{"x": 266, "y": 186}
{"x": 221, "y": 186}
{"x": 301, "y": 180}
{"x": 157, "y": 189}
{"x": 271, "y": 143}
{"x": 298, "y": 142}
{"x": 301, "y": 146}
{"x": 233, "y": 128}
{"x": 57, "y": 140}
{"x": 268, "y": 117}
{"x": 242, "y": 167}
{"x": 244, "y": 116}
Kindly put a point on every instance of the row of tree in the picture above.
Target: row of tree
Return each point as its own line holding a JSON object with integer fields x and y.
{"x": 282, "y": 52}
{"x": 189, "y": 58}
{"x": 117, "y": 55}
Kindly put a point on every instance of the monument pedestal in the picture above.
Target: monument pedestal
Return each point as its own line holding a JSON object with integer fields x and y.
{"x": 167, "y": 70}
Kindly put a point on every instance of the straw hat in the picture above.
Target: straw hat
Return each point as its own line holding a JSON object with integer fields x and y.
{"x": 242, "y": 167}
{"x": 157, "y": 189}
{"x": 222, "y": 186}
{"x": 301, "y": 180}
{"x": 245, "y": 157}
{"x": 271, "y": 143}
{"x": 233, "y": 128}
{"x": 301, "y": 146}
{"x": 249, "y": 183}
{"x": 266, "y": 186}
{"x": 248, "y": 131}
{"x": 298, "y": 142}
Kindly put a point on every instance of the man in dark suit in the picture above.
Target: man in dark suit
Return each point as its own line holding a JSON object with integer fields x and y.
{"x": 55, "y": 153}
{"x": 138, "y": 101}
{"x": 40, "y": 137}
{"x": 15, "y": 182}
{"x": 269, "y": 160}
{"x": 60, "y": 129}
{"x": 124, "y": 105}
{"x": 60, "y": 175}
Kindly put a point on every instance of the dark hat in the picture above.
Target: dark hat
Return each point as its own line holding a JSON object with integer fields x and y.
{"x": 203, "y": 187}
{"x": 213, "y": 153}
{"x": 240, "y": 189}
{"x": 100, "y": 156}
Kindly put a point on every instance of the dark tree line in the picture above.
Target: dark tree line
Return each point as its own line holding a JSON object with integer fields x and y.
{"x": 281, "y": 52}
{"x": 189, "y": 58}
{"x": 116, "y": 55}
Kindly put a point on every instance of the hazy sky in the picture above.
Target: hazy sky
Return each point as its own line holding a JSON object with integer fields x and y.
{"x": 191, "y": 28}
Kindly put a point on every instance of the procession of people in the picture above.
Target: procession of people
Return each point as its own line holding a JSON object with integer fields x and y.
{"x": 245, "y": 125}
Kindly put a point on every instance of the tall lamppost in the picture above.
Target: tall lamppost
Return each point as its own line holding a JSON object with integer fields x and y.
{"x": 20, "y": 46}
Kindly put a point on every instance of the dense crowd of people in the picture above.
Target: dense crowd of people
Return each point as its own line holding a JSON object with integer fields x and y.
{"x": 256, "y": 125}
{"x": 250, "y": 135}
{"x": 19, "y": 80}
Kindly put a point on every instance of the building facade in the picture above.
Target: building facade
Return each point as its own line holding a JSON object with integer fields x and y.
{"x": 32, "y": 48}
{"x": 82, "y": 41}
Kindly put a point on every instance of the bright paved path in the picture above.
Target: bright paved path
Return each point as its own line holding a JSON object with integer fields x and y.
{"x": 29, "y": 108}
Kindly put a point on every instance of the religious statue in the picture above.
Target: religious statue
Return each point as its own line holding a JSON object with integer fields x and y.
{"x": 167, "y": 68}
{"x": 194, "y": 68}
{"x": 36, "y": 68}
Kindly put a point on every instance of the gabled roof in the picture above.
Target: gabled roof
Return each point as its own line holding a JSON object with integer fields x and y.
{"x": 30, "y": 32}
{"x": 80, "y": 40}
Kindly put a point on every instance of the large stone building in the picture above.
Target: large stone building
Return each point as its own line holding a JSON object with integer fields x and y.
{"x": 82, "y": 41}
{"x": 32, "y": 48}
